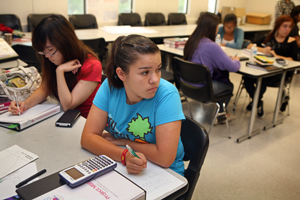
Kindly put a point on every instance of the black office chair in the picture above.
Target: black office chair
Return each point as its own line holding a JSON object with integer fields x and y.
{"x": 99, "y": 46}
{"x": 34, "y": 19}
{"x": 86, "y": 21}
{"x": 187, "y": 75}
{"x": 155, "y": 19}
{"x": 132, "y": 19}
{"x": 176, "y": 19}
{"x": 11, "y": 21}
{"x": 195, "y": 142}
{"x": 28, "y": 55}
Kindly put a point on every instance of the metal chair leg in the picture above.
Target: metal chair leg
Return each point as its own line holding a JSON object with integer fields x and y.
{"x": 215, "y": 117}
{"x": 238, "y": 93}
{"x": 227, "y": 125}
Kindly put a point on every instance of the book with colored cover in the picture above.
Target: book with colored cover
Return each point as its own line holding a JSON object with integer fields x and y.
{"x": 4, "y": 104}
{"x": 263, "y": 67}
{"x": 30, "y": 117}
{"x": 6, "y": 52}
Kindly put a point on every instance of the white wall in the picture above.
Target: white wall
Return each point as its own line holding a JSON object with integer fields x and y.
{"x": 234, "y": 3}
{"x": 22, "y": 8}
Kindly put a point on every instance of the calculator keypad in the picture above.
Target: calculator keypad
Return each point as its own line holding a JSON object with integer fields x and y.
{"x": 95, "y": 164}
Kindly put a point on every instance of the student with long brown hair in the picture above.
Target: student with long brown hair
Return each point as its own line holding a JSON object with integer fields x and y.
{"x": 201, "y": 48}
{"x": 71, "y": 72}
{"x": 280, "y": 45}
{"x": 137, "y": 108}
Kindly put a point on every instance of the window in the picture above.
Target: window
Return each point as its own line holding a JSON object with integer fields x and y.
{"x": 182, "y": 6}
{"x": 76, "y": 7}
{"x": 212, "y": 6}
{"x": 125, "y": 6}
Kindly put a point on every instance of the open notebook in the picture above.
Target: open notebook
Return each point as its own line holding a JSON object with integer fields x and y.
{"x": 29, "y": 117}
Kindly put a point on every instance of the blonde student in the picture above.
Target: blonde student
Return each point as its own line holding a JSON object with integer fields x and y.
{"x": 137, "y": 108}
{"x": 71, "y": 72}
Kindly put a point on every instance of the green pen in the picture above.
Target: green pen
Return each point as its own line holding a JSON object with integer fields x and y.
{"x": 131, "y": 151}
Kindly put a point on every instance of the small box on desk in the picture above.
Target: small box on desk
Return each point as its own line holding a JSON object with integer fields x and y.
{"x": 258, "y": 18}
{"x": 239, "y": 12}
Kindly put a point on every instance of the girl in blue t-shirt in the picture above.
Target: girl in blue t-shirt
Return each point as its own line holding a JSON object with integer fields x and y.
{"x": 137, "y": 108}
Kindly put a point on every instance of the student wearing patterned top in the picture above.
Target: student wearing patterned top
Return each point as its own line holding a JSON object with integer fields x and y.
{"x": 295, "y": 15}
{"x": 283, "y": 7}
{"x": 71, "y": 72}
{"x": 137, "y": 108}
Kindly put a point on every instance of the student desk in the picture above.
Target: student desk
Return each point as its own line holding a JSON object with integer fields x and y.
{"x": 57, "y": 148}
{"x": 254, "y": 73}
{"x": 161, "y": 32}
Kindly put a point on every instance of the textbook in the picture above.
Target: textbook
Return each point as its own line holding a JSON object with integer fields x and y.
{"x": 29, "y": 117}
{"x": 4, "y": 104}
{"x": 263, "y": 67}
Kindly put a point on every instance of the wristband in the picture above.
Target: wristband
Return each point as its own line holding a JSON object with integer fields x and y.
{"x": 123, "y": 157}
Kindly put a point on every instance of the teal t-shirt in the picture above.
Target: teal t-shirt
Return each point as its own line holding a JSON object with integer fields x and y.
{"x": 137, "y": 122}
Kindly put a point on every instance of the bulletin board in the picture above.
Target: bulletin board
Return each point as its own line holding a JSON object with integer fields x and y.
{"x": 104, "y": 10}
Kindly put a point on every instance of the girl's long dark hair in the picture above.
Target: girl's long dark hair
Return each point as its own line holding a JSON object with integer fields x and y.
{"x": 206, "y": 27}
{"x": 125, "y": 52}
{"x": 60, "y": 33}
{"x": 280, "y": 20}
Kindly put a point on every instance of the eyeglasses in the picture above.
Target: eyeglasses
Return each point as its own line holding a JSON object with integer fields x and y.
{"x": 47, "y": 53}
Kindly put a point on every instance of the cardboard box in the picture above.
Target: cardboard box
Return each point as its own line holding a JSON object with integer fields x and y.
{"x": 258, "y": 18}
{"x": 239, "y": 12}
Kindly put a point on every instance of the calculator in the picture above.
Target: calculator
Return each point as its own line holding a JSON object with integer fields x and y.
{"x": 87, "y": 170}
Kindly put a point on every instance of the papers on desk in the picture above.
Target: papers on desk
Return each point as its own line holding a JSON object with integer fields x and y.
{"x": 14, "y": 158}
{"x": 8, "y": 184}
{"x": 154, "y": 179}
{"x": 29, "y": 117}
{"x": 127, "y": 30}
{"x": 110, "y": 186}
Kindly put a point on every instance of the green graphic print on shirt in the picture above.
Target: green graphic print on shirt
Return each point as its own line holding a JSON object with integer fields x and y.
{"x": 139, "y": 127}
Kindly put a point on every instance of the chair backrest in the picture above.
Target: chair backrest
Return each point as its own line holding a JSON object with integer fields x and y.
{"x": 132, "y": 19}
{"x": 195, "y": 142}
{"x": 11, "y": 21}
{"x": 245, "y": 43}
{"x": 194, "y": 80}
{"x": 176, "y": 19}
{"x": 86, "y": 21}
{"x": 155, "y": 19}
{"x": 28, "y": 55}
{"x": 34, "y": 19}
{"x": 98, "y": 45}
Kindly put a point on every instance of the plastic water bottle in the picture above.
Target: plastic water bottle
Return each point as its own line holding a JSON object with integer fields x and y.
{"x": 253, "y": 53}
{"x": 218, "y": 39}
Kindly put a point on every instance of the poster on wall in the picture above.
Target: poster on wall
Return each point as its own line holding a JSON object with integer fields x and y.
{"x": 104, "y": 10}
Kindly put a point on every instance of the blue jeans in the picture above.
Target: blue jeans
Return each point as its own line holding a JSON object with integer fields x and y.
{"x": 220, "y": 88}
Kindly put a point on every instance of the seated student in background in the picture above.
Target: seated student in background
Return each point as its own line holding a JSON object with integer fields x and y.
{"x": 71, "y": 72}
{"x": 139, "y": 109}
{"x": 281, "y": 45}
{"x": 201, "y": 48}
{"x": 295, "y": 15}
{"x": 231, "y": 35}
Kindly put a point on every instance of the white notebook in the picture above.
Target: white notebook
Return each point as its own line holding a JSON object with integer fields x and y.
{"x": 31, "y": 116}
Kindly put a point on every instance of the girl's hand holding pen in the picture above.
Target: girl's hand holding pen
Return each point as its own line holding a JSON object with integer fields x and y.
{"x": 135, "y": 165}
{"x": 13, "y": 108}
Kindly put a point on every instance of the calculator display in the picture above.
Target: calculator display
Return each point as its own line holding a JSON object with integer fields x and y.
{"x": 74, "y": 173}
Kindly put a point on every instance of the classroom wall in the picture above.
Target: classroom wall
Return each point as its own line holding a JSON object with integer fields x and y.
{"x": 22, "y": 8}
{"x": 233, "y": 3}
